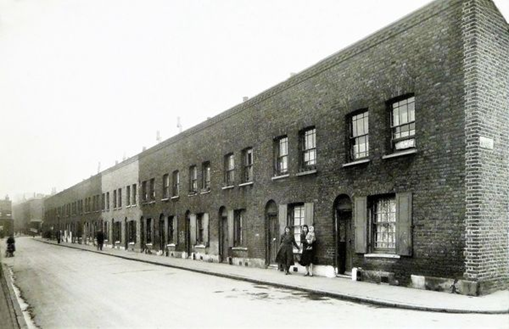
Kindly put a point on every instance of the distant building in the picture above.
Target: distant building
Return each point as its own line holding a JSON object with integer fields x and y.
{"x": 6, "y": 218}
{"x": 395, "y": 148}
{"x": 29, "y": 214}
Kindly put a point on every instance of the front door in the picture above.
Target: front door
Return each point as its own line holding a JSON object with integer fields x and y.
{"x": 224, "y": 238}
{"x": 273, "y": 237}
{"x": 188, "y": 235}
{"x": 161, "y": 235}
{"x": 344, "y": 238}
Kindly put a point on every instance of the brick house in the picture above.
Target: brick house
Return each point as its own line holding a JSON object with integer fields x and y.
{"x": 395, "y": 148}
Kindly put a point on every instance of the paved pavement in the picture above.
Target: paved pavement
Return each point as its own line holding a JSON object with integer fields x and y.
{"x": 10, "y": 313}
{"x": 363, "y": 292}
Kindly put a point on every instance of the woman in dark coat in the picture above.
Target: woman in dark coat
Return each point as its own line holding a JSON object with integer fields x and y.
{"x": 285, "y": 253}
{"x": 308, "y": 250}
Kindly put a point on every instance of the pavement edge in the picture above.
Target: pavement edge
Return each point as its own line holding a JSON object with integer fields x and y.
{"x": 14, "y": 307}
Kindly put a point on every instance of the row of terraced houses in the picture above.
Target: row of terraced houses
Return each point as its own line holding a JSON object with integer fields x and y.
{"x": 395, "y": 148}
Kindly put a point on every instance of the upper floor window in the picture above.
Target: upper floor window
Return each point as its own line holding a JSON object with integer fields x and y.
{"x": 229, "y": 174}
{"x": 193, "y": 179}
{"x": 144, "y": 191}
{"x": 308, "y": 143}
{"x": 128, "y": 195}
{"x": 281, "y": 156}
{"x": 403, "y": 123}
{"x": 115, "y": 199}
{"x": 120, "y": 198}
{"x": 247, "y": 168}
{"x": 103, "y": 202}
{"x": 135, "y": 194}
{"x": 176, "y": 183}
{"x": 166, "y": 186}
{"x": 152, "y": 189}
{"x": 359, "y": 135}
{"x": 107, "y": 200}
{"x": 205, "y": 175}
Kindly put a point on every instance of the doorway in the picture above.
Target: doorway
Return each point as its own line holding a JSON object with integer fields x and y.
{"x": 162, "y": 240}
{"x": 223, "y": 235}
{"x": 273, "y": 234}
{"x": 344, "y": 234}
{"x": 188, "y": 233}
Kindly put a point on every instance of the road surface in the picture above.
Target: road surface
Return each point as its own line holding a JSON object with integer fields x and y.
{"x": 68, "y": 288}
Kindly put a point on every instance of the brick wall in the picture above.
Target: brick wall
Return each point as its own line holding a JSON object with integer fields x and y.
{"x": 486, "y": 42}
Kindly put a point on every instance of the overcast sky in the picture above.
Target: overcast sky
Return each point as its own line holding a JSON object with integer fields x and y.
{"x": 89, "y": 81}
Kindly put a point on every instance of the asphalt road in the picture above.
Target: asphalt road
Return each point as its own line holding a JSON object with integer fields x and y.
{"x": 69, "y": 288}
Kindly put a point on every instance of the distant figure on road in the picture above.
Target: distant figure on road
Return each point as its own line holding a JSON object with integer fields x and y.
{"x": 59, "y": 237}
{"x": 285, "y": 253}
{"x": 308, "y": 251}
{"x": 100, "y": 240}
{"x": 11, "y": 246}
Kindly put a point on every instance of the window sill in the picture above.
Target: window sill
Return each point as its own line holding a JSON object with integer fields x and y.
{"x": 205, "y": 191}
{"x": 280, "y": 177}
{"x": 355, "y": 163}
{"x": 228, "y": 187}
{"x": 117, "y": 242}
{"x": 381, "y": 256}
{"x": 246, "y": 184}
{"x": 176, "y": 197}
{"x": 399, "y": 154}
{"x": 148, "y": 244}
{"x": 171, "y": 245}
{"x": 239, "y": 248}
{"x": 192, "y": 194}
{"x": 152, "y": 202}
{"x": 132, "y": 243}
{"x": 126, "y": 207}
{"x": 165, "y": 199}
{"x": 200, "y": 246}
{"x": 305, "y": 173}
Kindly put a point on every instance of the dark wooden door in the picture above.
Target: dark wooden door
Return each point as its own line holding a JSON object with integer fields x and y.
{"x": 344, "y": 238}
{"x": 188, "y": 236}
{"x": 273, "y": 237}
{"x": 161, "y": 235}
{"x": 224, "y": 239}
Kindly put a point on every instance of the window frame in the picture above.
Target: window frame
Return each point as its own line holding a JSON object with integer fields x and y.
{"x": 374, "y": 202}
{"x": 206, "y": 176}
{"x": 229, "y": 169}
{"x": 193, "y": 179}
{"x": 238, "y": 227}
{"x": 410, "y": 108}
{"x": 170, "y": 229}
{"x": 280, "y": 158}
{"x": 247, "y": 165}
{"x": 304, "y": 149}
{"x": 175, "y": 188}
{"x": 152, "y": 189}
{"x": 296, "y": 229}
{"x": 166, "y": 186}
{"x": 199, "y": 229}
{"x": 354, "y": 136}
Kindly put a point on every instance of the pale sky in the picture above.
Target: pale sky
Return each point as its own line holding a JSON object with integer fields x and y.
{"x": 89, "y": 81}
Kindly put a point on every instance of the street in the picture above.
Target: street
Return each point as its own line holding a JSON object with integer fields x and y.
{"x": 67, "y": 288}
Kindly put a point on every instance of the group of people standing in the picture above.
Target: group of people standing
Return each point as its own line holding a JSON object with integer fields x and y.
{"x": 284, "y": 256}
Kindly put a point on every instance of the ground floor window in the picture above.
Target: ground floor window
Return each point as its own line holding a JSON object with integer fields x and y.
{"x": 117, "y": 231}
{"x": 131, "y": 228}
{"x": 199, "y": 229}
{"x": 148, "y": 232}
{"x": 297, "y": 214}
{"x": 383, "y": 214}
{"x": 238, "y": 222}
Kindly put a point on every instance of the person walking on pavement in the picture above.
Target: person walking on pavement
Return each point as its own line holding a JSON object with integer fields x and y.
{"x": 285, "y": 253}
{"x": 308, "y": 251}
{"x": 100, "y": 240}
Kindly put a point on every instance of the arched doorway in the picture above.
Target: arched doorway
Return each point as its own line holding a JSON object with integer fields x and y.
{"x": 223, "y": 234}
{"x": 272, "y": 230}
{"x": 344, "y": 233}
